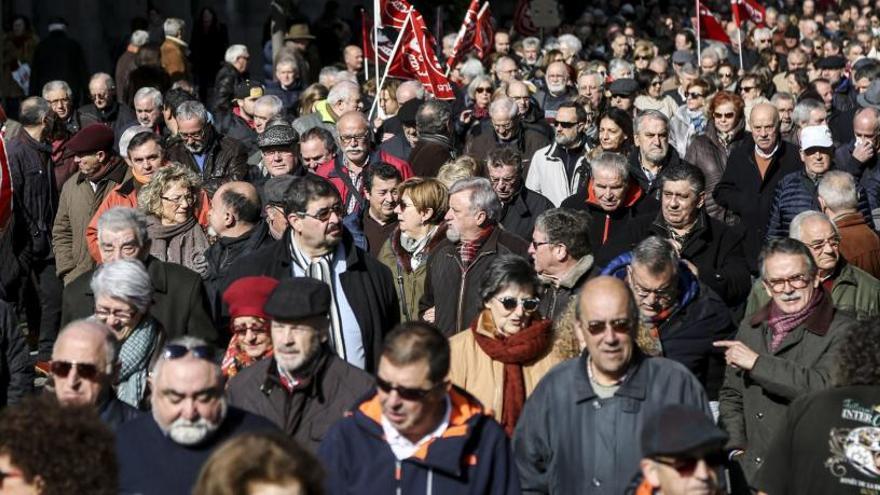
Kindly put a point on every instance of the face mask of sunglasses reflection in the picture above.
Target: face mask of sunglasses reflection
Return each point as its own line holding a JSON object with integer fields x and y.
{"x": 86, "y": 371}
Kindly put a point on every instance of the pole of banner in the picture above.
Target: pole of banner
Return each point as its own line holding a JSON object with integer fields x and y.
{"x": 739, "y": 41}
{"x": 366, "y": 41}
{"x": 377, "y": 19}
{"x": 390, "y": 62}
{"x": 699, "y": 40}
{"x": 458, "y": 38}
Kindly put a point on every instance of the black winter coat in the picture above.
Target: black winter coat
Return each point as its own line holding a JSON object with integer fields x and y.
{"x": 226, "y": 160}
{"x": 746, "y": 194}
{"x": 519, "y": 215}
{"x": 118, "y": 117}
{"x": 368, "y": 286}
{"x": 482, "y": 140}
{"x": 224, "y": 87}
{"x": 16, "y": 369}
{"x": 59, "y": 57}
{"x": 650, "y": 202}
{"x": 179, "y": 301}
{"x": 231, "y": 125}
{"x": 35, "y": 196}
{"x": 454, "y": 291}
{"x": 428, "y": 155}
{"x": 221, "y": 256}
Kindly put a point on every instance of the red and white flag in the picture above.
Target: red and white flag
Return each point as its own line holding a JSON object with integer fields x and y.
{"x": 748, "y": 10}
{"x": 420, "y": 60}
{"x": 465, "y": 33}
{"x": 484, "y": 36}
{"x": 393, "y": 13}
{"x": 710, "y": 26}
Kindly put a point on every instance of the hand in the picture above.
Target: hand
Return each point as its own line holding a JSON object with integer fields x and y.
{"x": 738, "y": 354}
{"x": 466, "y": 116}
{"x": 429, "y": 315}
{"x": 863, "y": 151}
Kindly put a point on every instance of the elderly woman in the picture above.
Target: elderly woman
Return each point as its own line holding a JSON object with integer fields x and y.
{"x": 251, "y": 340}
{"x": 175, "y": 234}
{"x": 123, "y": 295}
{"x": 615, "y": 133}
{"x": 650, "y": 95}
{"x": 509, "y": 347}
{"x": 480, "y": 94}
{"x": 690, "y": 119}
{"x": 420, "y": 228}
{"x": 724, "y": 131}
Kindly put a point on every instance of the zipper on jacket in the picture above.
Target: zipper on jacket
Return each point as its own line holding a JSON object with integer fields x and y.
{"x": 464, "y": 272}
{"x": 398, "y": 474}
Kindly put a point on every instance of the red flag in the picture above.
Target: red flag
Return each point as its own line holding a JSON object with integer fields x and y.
{"x": 522, "y": 19}
{"x": 748, "y": 10}
{"x": 393, "y": 13}
{"x": 420, "y": 60}
{"x": 484, "y": 36}
{"x": 5, "y": 189}
{"x": 710, "y": 27}
{"x": 465, "y": 33}
{"x": 385, "y": 46}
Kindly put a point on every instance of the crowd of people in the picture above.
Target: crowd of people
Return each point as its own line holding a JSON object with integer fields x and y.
{"x": 621, "y": 260}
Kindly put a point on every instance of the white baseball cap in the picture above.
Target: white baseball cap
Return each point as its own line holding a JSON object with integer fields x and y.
{"x": 816, "y": 136}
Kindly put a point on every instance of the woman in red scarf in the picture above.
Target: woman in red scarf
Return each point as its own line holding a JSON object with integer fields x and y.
{"x": 509, "y": 347}
{"x": 251, "y": 339}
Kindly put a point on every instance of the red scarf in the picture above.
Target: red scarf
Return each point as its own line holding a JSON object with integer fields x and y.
{"x": 236, "y": 359}
{"x": 523, "y": 347}
{"x": 468, "y": 249}
{"x": 781, "y": 324}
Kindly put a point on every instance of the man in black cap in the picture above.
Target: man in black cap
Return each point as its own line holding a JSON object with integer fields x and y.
{"x": 623, "y": 93}
{"x": 239, "y": 123}
{"x": 832, "y": 69}
{"x": 402, "y": 143}
{"x": 304, "y": 387}
{"x": 681, "y": 453}
{"x": 434, "y": 146}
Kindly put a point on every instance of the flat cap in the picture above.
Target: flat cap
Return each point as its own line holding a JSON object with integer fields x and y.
{"x": 407, "y": 112}
{"x": 832, "y": 62}
{"x": 681, "y": 430}
{"x": 248, "y": 89}
{"x": 95, "y": 137}
{"x": 275, "y": 189}
{"x": 684, "y": 57}
{"x": 624, "y": 87}
{"x": 298, "y": 298}
{"x": 281, "y": 134}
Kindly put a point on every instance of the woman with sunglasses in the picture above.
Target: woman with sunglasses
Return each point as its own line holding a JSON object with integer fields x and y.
{"x": 249, "y": 325}
{"x": 170, "y": 200}
{"x": 651, "y": 96}
{"x": 509, "y": 346}
{"x": 420, "y": 228}
{"x": 725, "y": 130}
{"x": 689, "y": 120}
{"x": 726, "y": 74}
{"x": 123, "y": 296}
{"x": 479, "y": 93}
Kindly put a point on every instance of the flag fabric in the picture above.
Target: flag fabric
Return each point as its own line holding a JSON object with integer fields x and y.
{"x": 710, "y": 26}
{"x": 385, "y": 46}
{"x": 522, "y": 19}
{"x": 5, "y": 189}
{"x": 465, "y": 33}
{"x": 421, "y": 61}
{"x": 484, "y": 35}
{"x": 393, "y": 13}
{"x": 748, "y": 10}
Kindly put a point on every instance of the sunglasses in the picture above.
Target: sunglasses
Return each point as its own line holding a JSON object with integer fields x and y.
{"x": 483, "y": 90}
{"x": 726, "y": 75}
{"x": 748, "y": 88}
{"x": 724, "y": 115}
{"x": 86, "y": 371}
{"x": 620, "y": 325}
{"x": 563, "y": 124}
{"x": 685, "y": 466}
{"x": 405, "y": 393}
{"x": 177, "y": 351}
{"x": 510, "y": 303}
{"x": 695, "y": 95}
{"x": 259, "y": 327}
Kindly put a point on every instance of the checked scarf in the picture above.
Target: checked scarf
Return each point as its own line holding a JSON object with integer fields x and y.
{"x": 468, "y": 249}
{"x": 134, "y": 358}
{"x": 648, "y": 337}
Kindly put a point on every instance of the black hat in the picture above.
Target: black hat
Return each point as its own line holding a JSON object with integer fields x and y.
{"x": 248, "y": 89}
{"x": 280, "y": 134}
{"x": 407, "y": 112}
{"x": 871, "y": 96}
{"x": 832, "y": 62}
{"x": 298, "y": 298}
{"x": 676, "y": 430}
{"x": 792, "y": 32}
{"x": 275, "y": 189}
{"x": 624, "y": 87}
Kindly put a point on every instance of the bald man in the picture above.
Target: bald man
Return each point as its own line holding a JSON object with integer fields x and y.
{"x": 559, "y": 89}
{"x": 605, "y": 395}
{"x": 354, "y": 59}
{"x": 235, "y": 220}
{"x": 519, "y": 92}
{"x": 84, "y": 367}
{"x": 749, "y": 180}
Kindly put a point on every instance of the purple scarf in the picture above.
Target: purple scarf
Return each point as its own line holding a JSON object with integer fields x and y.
{"x": 781, "y": 324}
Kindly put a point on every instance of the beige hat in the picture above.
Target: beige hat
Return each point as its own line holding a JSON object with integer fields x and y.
{"x": 299, "y": 32}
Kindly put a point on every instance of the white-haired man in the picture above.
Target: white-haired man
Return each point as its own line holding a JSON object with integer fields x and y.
{"x": 344, "y": 97}
{"x": 504, "y": 128}
{"x": 125, "y": 64}
{"x": 234, "y": 71}
{"x": 104, "y": 108}
{"x": 174, "y": 59}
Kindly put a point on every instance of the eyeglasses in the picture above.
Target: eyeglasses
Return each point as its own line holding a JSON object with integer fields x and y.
{"x": 796, "y": 282}
{"x": 694, "y": 96}
{"x": 504, "y": 126}
{"x": 641, "y": 57}
{"x": 528, "y": 304}
{"x": 564, "y": 124}
{"x": 483, "y": 90}
{"x": 685, "y": 466}
{"x": 119, "y": 314}
{"x": 405, "y": 393}
{"x": 86, "y": 371}
{"x": 596, "y": 327}
{"x": 59, "y": 101}
{"x": 662, "y": 294}
{"x": 353, "y": 138}
{"x": 832, "y": 241}
{"x": 656, "y": 83}
{"x": 177, "y": 351}
{"x": 725, "y": 75}
{"x": 192, "y": 135}
{"x": 748, "y": 88}
{"x": 724, "y": 115}
{"x": 323, "y": 214}
{"x": 186, "y": 198}
{"x": 536, "y": 245}
{"x": 256, "y": 327}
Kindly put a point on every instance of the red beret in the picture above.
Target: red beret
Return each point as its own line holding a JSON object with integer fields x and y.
{"x": 247, "y": 295}
{"x": 96, "y": 137}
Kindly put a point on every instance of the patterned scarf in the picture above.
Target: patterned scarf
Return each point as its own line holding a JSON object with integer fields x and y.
{"x": 236, "y": 359}
{"x": 416, "y": 247}
{"x": 521, "y": 348}
{"x": 134, "y": 357}
{"x": 320, "y": 269}
{"x": 468, "y": 249}
{"x": 781, "y": 324}
{"x": 648, "y": 337}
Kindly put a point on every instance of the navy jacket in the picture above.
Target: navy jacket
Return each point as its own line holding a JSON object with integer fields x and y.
{"x": 471, "y": 457}
{"x": 796, "y": 193}
{"x": 867, "y": 174}
{"x": 150, "y": 463}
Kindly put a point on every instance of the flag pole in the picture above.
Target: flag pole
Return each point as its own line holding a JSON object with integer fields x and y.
{"x": 739, "y": 41}
{"x": 377, "y": 19}
{"x": 365, "y": 41}
{"x": 390, "y": 62}
{"x": 699, "y": 39}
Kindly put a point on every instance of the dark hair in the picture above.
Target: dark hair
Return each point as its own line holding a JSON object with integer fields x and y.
{"x": 305, "y": 189}
{"x": 383, "y": 171}
{"x": 416, "y": 341}
{"x": 69, "y": 448}
{"x": 507, "y": 270}
{"x": 269, "y": 457}
{"x": 433, "y": 117}
{"x": 684, "y": 171}
{"x": 148, "y": 55}
{"x": 645, "y": 77}
{"x": 174, "y": 97}
{"x": 786, "y": 245}
{"x": 246, "y": 210}
{"x": 568, "y": 227}
{"x": 689, "y": 36}
{"x": 858, "y": 361}
{"x": 579, "y": 112}
{"x": 143, "y": 138}
{"x": 624, "y": 121}
{"x": 870, "y": 71}
{"x": 33, "y": 111}
{"x": 320, "y": 133}
{"x": 504, "y": 156}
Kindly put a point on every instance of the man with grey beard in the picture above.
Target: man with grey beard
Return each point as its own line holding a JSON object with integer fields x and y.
{"x": 652, "y": 154}
{"x": 557, "y": 89}
{"x": 163, "y": 452}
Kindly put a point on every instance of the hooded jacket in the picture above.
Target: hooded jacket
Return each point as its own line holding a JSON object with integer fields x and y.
{"x": 471, "y": 457}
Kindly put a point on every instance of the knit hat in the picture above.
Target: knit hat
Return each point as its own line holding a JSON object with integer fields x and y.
{"x": 247, "y": 296}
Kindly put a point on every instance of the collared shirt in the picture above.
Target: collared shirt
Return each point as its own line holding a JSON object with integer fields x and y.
{"x": 402, "y": 447}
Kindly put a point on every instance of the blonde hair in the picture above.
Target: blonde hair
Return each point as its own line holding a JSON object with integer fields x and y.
{"x": 150, "y": 196}
{"x": 310, "y": 96}
{"x": 460, "y": 168}
{"x": 426, "y": 193}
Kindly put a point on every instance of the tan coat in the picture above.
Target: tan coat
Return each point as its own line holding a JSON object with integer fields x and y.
{"x": 473, "y": 370}
{"x": 174, "y": 60}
